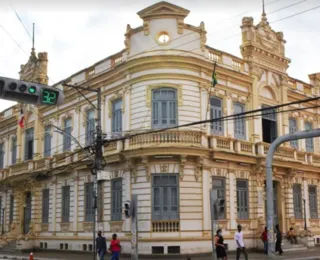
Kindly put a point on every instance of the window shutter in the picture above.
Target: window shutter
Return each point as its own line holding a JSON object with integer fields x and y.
{"x": 45, "y": 206}
{"x": 293, "y": 129}
{"x": 14, "y": 150}
{"x": 67, "y": 135}
{"x": 309, "y": 141}
{"x": 90, "y": 125}
{"x": 28, "y": 151}
{"x": 164, "y": 108}
{"x": 239, "y": 122}
{"x": 117, "y": 116}
{"x": 89, "y": 211}
{"x": 116, "y": 199}
{"x": 65, "y": 203}
{"x": 11, "y": 209}
{"x": 47, "y": 141}
{"x": 313, "y": 201}
{"x": 1, "y": 156}
{"x": 242, "y": 199}
{"x": 216, "y": 112}
{"x": 218, "y": 184}
{"x": 297, "y": 201}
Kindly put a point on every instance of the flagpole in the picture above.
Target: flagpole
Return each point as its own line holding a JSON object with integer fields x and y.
{"x": 211, "y": 87}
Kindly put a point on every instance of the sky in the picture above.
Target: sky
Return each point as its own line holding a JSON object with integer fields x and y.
{"x": 76, "y": 34}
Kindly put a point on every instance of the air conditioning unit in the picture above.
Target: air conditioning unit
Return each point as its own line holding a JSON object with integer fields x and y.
{"x": 103, "y": 176}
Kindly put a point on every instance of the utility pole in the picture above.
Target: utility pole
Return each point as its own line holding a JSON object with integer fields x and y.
{"x": 269, "y": 160}
{"x": 98, "y": 165}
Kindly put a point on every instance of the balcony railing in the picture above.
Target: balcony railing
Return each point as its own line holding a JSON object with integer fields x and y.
{"x": 164, "y": 226}
{"x": 174, "y": 138}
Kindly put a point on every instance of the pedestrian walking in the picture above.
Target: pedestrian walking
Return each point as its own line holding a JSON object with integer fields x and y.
{"x": 264, "y": 238}
{"x": 240, "y": 244}
{"x": 101, "y": 245}
{"x": 115, "y": 248}
{"x": 220, "y": 249}
{"x": 279, "y": 240}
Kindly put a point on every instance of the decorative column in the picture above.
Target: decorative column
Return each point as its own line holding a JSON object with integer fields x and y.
{"x": 255, "y": 127}
{"x": 233, "y": 200}
{"x": 38, "y": 134}
{"x": 305, "y": 196}
{"x": 289, "y": 207}
{"x": 284, "y": 128}
{"x": 54, "y": 206}
{"x": 206, "y": 202}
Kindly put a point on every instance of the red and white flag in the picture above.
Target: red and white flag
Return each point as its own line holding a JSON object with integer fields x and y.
{"x": 21, "y": 119}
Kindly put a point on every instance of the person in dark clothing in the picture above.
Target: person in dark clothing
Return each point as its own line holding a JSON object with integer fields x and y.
{"x": 218, "y": 242}
{"x": 279, "y": 240}
{"x": 264, "y": 238}
{"x": 101, "y": 245}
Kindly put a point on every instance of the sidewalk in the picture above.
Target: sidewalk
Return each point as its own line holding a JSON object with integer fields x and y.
{"x": 311, "y": 254}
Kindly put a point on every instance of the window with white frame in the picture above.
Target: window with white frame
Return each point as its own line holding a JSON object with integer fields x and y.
{"x": 116, "y": 199}
{"x": 242, "y": 199}
{"x": 164, "y": 108}
{"x": 65, "y": 204}
{"x": 292, "y": 129}
{"x": 47, "y": 141}
{"x": 67, "y": 135}
{"x": 90, "y": 127}
{"x": 297, "y": 201}
{"x": 313, "y": 201}
{"x": 13, "y": 150}
{"x": 309, "y": 141}
{"x": 239, "y": 122}
{"x": 216, "y": 112}
{"x": 117, "y": 116}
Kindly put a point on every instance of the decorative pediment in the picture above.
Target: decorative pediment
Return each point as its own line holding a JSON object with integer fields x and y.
{"x": 163, "y": 10}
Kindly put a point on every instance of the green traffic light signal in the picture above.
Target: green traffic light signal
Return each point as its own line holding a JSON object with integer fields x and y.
{"x": 32, "y": 89}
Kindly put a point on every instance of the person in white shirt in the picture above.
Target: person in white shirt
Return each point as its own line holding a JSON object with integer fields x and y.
{"x": 240, "y": 244}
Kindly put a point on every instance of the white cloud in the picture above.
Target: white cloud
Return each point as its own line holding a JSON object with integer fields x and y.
{"x": 76, "y": 35}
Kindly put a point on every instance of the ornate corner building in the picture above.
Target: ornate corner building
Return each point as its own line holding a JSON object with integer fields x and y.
{"x": 161, "y": 79}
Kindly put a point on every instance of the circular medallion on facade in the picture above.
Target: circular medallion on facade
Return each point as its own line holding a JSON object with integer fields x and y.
{"x": 163, "y": 38}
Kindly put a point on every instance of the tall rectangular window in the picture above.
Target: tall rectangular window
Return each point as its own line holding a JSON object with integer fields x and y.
{"x": 297, "y": 201}
{"x": 28, "y": 148}
{"x": 218, "y": 184}
{"x": 67, "y": 135}
{"x": 14, "y": 150}
{"x": 216, "y": 112}
{"x": 313, "y": 201}
{"x": 242, "y": 199}
{"x": 309, "y": 141}
{"x": 90, "y": 127}
{"x": 11, "y": 210}
{"x": 65, "y": 204}
{"x": 45, "y": 206}
{"x": 239, "y": 122}
{"x": 116, "y": 199}
{"x": 165, "y": 197}
{"x": 292, "y": 129}
{"x": 47, "y": 141}
{"x": 164, "y": 108}
{"x": 117, "y": 116}
{"x": 88, "y": 193}
{"x": 1, "y": 156}
{"x": 269, "y": 125}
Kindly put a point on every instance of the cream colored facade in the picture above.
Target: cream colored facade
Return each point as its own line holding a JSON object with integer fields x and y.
{"x": 194, "y": 154}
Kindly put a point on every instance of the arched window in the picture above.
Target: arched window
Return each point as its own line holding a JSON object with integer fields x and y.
{"x": 164, "y": 108}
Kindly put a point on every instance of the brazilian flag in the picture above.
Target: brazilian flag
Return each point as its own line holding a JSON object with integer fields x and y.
{"x": 214, "y": 76}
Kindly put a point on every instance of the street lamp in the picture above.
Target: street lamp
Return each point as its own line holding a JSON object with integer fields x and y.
{"x": 304, "y": 212}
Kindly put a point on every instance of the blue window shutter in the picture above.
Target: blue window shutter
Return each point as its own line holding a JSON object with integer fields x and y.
{"x": 67, "y": 135}
{"x": 292, "y": 129}
{"x": 164, "y": 108}
{"x": 216, "y": 112}
{"x": 239, "y": 122}
{"x": 65, "y": 204}
{"x": 14, "y": 150}
{"x": 313, "y": 201}
{"x": 11, "y": 210}
{"x": 90, "y": 127}
{"x": 116, "y": 199}
{"x": 242, "y": 199}
{"x": 165, "y": 197}
{"x": 45, "y": 206}
{"x": 219, "y": 185}
{"x": 88, "y": 192}
{"x": 309, "y": 141}
{"x": 47, "y": 141}
{"x": 117, "y": 116}
{"x": 297, "y": 201}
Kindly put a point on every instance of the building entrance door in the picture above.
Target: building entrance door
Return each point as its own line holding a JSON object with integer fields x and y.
{"x": 27, "y": 213}
{"x": 275, "y": 203}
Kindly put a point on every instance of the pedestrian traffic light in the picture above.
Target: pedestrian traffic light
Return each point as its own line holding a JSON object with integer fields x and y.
{"x": 127, "y": 209}
{"x": 29, "y": 92}
{"x": 219, "y": 207}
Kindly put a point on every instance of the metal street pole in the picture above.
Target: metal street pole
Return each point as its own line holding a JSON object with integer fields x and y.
{"x": 269, "y": 160}
{"x": 213, "y": 198}
{"x": 134, "y": 228}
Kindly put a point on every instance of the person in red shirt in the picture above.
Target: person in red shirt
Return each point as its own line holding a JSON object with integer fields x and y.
{"x": 115, "y": 247}
{"x": 264, "y": 237}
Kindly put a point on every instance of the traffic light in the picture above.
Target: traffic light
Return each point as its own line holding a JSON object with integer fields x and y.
{"x": 219, "y": 207}
{"x": 28, "y": 92}
{"x": 127, "y": 209}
